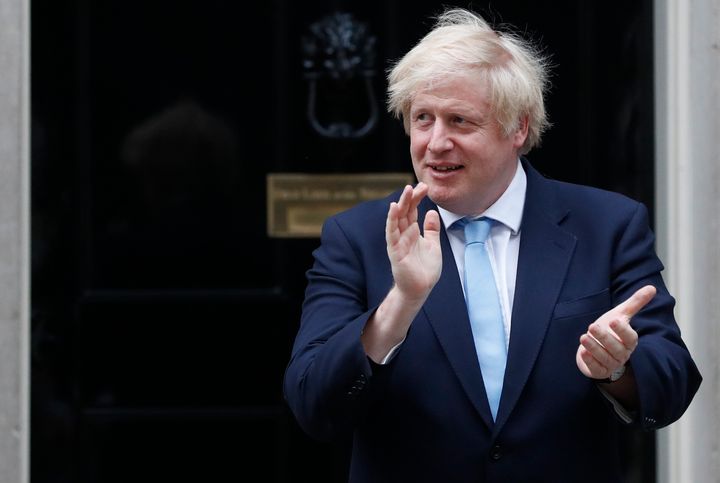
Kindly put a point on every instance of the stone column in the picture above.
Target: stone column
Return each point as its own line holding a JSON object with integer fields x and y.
{"x": 14, "y": 240}
{"x": 687, "y": 43}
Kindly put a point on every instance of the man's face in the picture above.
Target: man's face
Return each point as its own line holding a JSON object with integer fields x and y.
{"x": 458, "y": 148}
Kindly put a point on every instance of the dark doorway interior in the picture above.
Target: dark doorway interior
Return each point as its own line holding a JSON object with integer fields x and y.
{"x": 162, "y": 312}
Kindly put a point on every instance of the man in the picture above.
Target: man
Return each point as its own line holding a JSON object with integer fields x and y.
{"x": 528, "y": 377}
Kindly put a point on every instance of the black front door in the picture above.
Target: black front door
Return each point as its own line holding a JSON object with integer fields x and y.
{"x": 163, "y": 312}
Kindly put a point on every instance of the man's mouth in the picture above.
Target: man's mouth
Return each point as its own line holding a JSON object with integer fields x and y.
{"x": 446, "y": 168}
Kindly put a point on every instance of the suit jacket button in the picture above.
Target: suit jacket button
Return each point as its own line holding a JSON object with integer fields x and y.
{"x": 496, "y": 452}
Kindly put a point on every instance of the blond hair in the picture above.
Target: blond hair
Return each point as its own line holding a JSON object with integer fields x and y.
{"x": 462, "y": 42}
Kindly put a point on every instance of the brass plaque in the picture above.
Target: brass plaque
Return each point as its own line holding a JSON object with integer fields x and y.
{"x": 298, "y": 204}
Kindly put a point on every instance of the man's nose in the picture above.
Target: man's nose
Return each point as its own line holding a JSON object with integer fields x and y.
{"x": 439, "y": 138}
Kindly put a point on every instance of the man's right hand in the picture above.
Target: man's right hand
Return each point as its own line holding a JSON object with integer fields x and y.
{"x": 416, "y": 265}
{"x": 416, "y": 260}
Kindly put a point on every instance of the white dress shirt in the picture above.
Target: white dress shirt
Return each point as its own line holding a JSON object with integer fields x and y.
{"x": 503, "y": 241}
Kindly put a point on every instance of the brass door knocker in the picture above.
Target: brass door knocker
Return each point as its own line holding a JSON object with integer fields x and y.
{"x": 339, "y": 53}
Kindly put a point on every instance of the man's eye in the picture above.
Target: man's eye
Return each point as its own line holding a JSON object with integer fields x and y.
{"x": 421, "y": 117}
{"x": 459, "y": 120}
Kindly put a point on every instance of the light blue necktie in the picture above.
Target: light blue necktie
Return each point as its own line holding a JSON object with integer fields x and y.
{"x": 484, "y": 309}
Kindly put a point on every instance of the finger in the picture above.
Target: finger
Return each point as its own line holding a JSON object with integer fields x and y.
{"x": 431, "y": 226}
{"x": 598, "y": 351}
{"x": 581, "y": 363}
{"x": 418, "y": 194}
{"x": 625, "y": 333}
{"x": 404, "y": 199}
{"x": 614, "y": 353}
{"x": 392, "y": 233}
{"x": 420, "y": 191}
{"x": 597, "y": 370}
{"x": 637, "y": 301}
{"x": 403, "y": 206}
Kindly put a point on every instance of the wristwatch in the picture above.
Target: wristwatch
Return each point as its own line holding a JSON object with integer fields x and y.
{"x": 614, "y": 375}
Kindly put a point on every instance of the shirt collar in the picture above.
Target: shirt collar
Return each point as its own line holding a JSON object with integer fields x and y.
{"x": 508, "y": 209}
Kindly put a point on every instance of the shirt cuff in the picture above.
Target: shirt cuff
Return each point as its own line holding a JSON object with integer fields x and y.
{"x": 626, "y": 416}
{"x": 392, "y": 353}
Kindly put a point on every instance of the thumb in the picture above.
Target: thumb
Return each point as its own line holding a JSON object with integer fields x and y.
{"x": 431, "y": 226}
{"x": 638, "y": 300}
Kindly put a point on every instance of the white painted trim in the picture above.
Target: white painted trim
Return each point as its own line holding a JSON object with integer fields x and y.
{"x": 15, "y": 241}
{"x": 25, "y": 240}
{"x": 687, "y": 81}
{"x": 673, "y": 152}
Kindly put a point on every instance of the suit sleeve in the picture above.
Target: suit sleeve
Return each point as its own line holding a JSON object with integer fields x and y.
{"x": 326, "y": 378}
{"x": 667, "y": 378}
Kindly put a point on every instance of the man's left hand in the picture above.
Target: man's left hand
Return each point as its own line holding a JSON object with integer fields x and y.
{"x": 610, "y": 340}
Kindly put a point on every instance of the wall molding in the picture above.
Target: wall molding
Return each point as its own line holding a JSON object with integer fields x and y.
{"x": 14, "y": 241}
{"x": 687, "y": 100}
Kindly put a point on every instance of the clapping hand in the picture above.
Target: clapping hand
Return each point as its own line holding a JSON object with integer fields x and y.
{"x": 416, "y": 259}
{"x": 610, "y": 340}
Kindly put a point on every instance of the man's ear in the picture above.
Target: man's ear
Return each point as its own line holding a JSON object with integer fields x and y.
{"x": 521, "y": 133}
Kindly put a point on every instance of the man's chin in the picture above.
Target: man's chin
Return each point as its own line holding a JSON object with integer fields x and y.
{"x": 442, "y": 197}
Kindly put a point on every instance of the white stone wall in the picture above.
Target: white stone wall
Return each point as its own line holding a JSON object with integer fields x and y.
{"x": 687, "y": 38}
{"x": 14, "y": 240}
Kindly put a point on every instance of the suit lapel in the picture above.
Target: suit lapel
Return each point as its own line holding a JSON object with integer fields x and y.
{"x": 545, "y": 252}
{"x": 447, "y": 314}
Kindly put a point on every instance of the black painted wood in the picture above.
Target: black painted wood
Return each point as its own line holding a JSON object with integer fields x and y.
{"x": 162, "y": 313}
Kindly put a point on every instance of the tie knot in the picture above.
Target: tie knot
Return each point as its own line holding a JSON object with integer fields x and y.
{"x": 476, "y": 231}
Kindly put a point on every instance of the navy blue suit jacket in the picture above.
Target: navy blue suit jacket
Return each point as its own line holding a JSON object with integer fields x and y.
{"x": 425, "y": 415}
